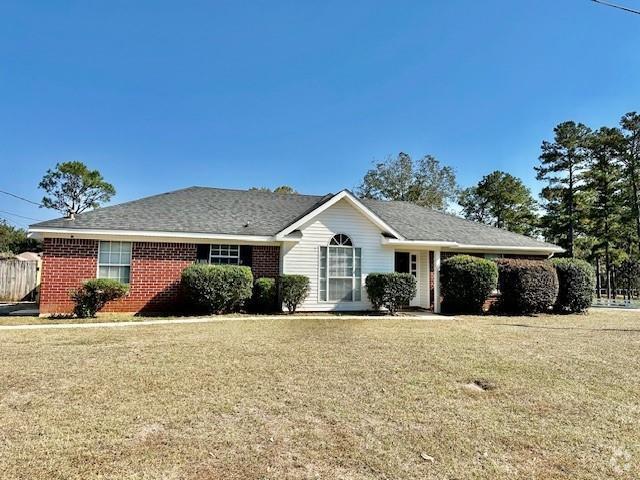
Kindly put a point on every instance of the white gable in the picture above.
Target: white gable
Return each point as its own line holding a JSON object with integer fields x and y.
{"x": 343, "y": 197}
{"x": 302, "y": 258}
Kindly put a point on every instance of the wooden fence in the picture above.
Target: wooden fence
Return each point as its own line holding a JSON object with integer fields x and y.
{"x": 18, "y": 280}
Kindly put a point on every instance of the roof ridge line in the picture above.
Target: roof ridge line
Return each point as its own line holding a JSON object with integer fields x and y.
{"x": 246, "y": 190}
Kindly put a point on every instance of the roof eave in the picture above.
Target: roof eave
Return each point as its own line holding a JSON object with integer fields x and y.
{"x": 453, "y": 246}
{"x": 142, "y": 235}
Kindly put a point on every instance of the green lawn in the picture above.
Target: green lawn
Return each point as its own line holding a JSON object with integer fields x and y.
{"x": 338, "y": 399}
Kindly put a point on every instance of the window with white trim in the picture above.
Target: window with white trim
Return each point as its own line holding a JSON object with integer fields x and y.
{"x": 114, "y": 261}
{"x": 224, "y": 254}
{"x": 340, "y": 271}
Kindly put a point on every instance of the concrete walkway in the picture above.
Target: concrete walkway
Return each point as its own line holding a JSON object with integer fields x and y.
{"x": 213, "y": 319}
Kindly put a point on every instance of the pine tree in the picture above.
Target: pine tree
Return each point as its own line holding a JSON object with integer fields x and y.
{"x": 605, "y": 182}
{"x": 630, "y": 124}
{"x": 562, "y": 165}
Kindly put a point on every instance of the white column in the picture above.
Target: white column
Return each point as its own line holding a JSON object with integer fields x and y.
{"x": 436, "y": 281}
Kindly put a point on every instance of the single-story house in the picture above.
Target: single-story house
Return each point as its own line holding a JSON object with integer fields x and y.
{"x": 335, "y": 240}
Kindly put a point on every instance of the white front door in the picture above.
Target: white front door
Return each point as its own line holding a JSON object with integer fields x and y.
{"x": 414, "y": 269}
{"x": 407, "y": 262}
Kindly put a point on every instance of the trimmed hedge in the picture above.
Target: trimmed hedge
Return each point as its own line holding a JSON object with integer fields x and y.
{"x": 527, "y": 286}
{"x": 467, "y": 282}
{"x": 375, "y": 284}
{"x": 94, "y": 294}
{"x": 577, "y": 281}
{"x": 217, "y": 288}
{"x": 293, "y": 290}
{"x": 265, "y": 295}
{"x": 390, "y": 290}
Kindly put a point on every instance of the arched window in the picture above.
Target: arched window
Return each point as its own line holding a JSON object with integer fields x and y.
{"x": 341, "y": 240}
{"x": 340, "y": 271}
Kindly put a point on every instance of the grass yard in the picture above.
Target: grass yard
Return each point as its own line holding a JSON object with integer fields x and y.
{"x": 7, "y": 320}
{"x": 108, "y": 318}
{"x": 336, "y": 399}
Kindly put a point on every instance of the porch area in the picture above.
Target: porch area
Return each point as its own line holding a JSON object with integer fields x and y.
{"x": 424, "y": 265}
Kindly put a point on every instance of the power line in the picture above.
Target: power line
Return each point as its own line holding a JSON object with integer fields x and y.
{"x": 8, "y": 220}
{"x": 20, "y": 216}
{"x": 619, "y": 7}
{"x": 21, "y": 198}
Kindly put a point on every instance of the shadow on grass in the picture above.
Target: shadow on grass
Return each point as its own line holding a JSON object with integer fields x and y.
{"x": 542, "y": 327}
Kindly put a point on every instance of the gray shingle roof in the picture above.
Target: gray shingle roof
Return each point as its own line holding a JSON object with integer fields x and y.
{"x": 418, "y": 223}
{"x": 253, "y": 212}
{"x": 197, "y": 210}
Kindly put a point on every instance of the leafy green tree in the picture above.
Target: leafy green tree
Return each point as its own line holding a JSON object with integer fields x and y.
{"x": 562, "y": 165}
{"x": 501, "y": 200}
{"x": 425, "y": 182}
{"x": 604, "y": 181}
{"x": 280, "y": 189}
{"x": 15, "y": 240}
{"x": 284, "y": 189}
{"x": 71, "y": 188}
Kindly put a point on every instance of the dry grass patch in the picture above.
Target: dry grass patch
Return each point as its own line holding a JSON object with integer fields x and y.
{"x": 8, "y": 320}
{"x": 347, "y": 399}
{"x": 63, "y": 319}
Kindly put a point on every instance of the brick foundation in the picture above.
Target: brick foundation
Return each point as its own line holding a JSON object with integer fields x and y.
{"x": 155, "y": 273}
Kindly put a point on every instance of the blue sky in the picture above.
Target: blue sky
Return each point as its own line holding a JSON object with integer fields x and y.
{"x": 163, "y": 95}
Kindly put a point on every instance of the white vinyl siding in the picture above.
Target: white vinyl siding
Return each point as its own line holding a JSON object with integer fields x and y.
{"x": 303, "y": 257}
{"x": 114, "y": 261}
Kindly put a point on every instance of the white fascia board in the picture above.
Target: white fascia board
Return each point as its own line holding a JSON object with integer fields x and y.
{"x": 543, "y": 249}
{"x": 418, "y": 243}
{"x": 455, "y": 246}
{"x": 146, "y": 236}
{"x": 344, "y": 194}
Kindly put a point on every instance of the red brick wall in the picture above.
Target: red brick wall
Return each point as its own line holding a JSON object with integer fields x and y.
{"x": 265, "y": 261}
{"x": 65, "y": 264}
{"x": 155, "y": 276}
{"x": 155, "y": 273}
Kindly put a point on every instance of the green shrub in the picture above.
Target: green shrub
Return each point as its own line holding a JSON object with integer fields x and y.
{"x": 400, "y": 289}
{"x": 467, "y": 282}
{"x": 217, "y": 288}
{"x": 577, "y": 280}
{"x": 94, "y": 294}
{"x": 265, "y": 295}
{"x": 390, "y": 290}
{"x": 293, "y": 290}
{"x": 527, "y": 286}
{"x": 375, "y": 284}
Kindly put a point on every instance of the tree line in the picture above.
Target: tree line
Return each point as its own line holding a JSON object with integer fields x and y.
{"x": 591, "y": 201}
{"x": 590, "y": 204}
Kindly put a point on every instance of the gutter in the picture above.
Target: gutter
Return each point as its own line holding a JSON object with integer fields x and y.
{"x": 470, "y": 247}
{"x": 142, "y": 235}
